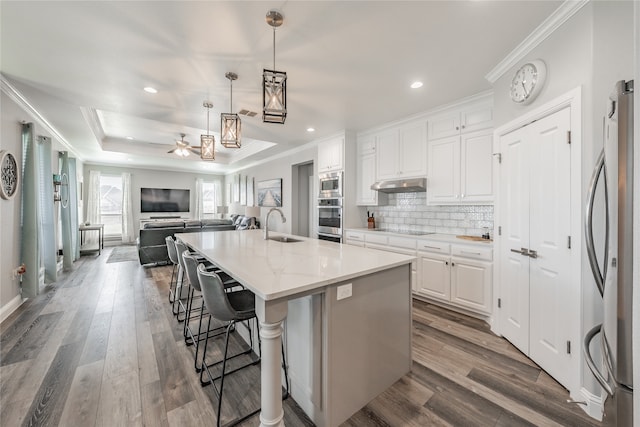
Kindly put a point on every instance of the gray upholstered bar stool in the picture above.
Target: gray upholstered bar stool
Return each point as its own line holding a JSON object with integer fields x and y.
{"x": 231, "y": 307}
{"x": 173, "y": 257}
{"x": 191, "y": 268}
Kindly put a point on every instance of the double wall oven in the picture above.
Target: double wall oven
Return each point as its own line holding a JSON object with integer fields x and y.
{"x": 330, "y": 207}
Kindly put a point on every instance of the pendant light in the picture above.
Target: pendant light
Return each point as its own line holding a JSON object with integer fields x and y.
{"x": 274, "y": 83}
{"x": 230, "y": 124}
{"x": 207, "y": 142}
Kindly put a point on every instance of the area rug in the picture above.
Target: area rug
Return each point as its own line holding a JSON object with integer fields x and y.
{"x": 123, "y": 253}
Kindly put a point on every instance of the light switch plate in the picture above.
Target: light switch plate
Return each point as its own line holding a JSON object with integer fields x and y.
{"x": 344, "y": 291}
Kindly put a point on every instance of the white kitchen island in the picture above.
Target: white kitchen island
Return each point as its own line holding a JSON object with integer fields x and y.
{"x": 365, "y": 335}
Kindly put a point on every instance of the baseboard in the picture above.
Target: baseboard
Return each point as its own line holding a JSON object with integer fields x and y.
{"x": 594, "y": 406}
{"x": 10, "y": 307}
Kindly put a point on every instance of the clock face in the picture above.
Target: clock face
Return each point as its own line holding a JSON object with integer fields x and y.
{"x": 527, "y": 82}
{"x": 8, "y": 175}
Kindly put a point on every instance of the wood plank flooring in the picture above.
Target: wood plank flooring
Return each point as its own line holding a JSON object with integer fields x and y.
{"x": 101, "y": 348}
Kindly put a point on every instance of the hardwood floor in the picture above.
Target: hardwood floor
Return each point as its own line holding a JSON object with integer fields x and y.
{"x": 101, "y": 348}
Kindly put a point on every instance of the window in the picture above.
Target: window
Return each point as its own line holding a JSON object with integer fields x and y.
{"x": 111, "y": 204}
{"x": 208, "y": 199}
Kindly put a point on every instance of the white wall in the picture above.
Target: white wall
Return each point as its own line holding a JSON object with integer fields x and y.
{"x": 278, "y": 168}
{"x": 151, "y": 178}
{"x": 592, "y": 50}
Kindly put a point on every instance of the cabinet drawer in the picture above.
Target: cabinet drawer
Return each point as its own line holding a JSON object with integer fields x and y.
{"x": 353, "y": 242}
{"x": 402, "y": 242}
{"x": 472, "y": 252}
{"x": 354, "y": 235}
{"x": 376, "y": 238}
{"x": 436, "y": 247}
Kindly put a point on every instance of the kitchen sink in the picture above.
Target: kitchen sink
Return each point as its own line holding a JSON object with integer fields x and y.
{"x": 284, "y": 239}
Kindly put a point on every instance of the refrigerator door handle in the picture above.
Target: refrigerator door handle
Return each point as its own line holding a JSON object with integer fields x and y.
{"x": 590, "y": 363}
{"x": 598, "y": 275}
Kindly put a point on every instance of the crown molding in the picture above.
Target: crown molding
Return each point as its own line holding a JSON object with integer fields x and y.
{"x": 25, "y": 105}
{"x": 565, "y": 11}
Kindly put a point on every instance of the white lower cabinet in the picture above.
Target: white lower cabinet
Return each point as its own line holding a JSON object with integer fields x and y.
{"x": 464, "y": 282}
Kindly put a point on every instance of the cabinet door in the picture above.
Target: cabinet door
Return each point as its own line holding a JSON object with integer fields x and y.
{"x": 476, "y": 118}
{"x": 444, "y": 125}
{"x": 330, "y": 155}
{"x": 387, "y": 159}
{"x": 476, "y": 167}
{"x": 434, "y": 276}
{"x": 471, "y": 284}
{"x": 443, "y": 183}
{"x": 366, "y": 176}
{"x": 413, "y": 150}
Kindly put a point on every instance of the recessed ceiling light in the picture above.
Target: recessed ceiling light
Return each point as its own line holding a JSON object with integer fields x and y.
{"x": 128, "y": 137}
{"x": 311, "y": 130}
{"x": 416, "y": 85}
{"x": 150, "y": 89}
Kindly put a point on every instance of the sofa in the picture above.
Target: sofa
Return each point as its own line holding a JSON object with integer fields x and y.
{"x": 152, "y": 247}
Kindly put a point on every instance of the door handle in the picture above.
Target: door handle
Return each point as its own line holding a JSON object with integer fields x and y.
{"x": 590, "y": 363}
{"x": 533, "y": 254}
{"x": 522, "y": 251}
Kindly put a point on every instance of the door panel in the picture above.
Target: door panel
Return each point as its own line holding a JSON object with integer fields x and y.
{"x": 436, "y": 276}
{"x": 514, "y": 267}
{"x": 550, "y": 226}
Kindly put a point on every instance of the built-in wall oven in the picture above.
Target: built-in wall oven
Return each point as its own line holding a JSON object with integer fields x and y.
{"x": 330, "y": 219}
{"x": 330, "y": 185}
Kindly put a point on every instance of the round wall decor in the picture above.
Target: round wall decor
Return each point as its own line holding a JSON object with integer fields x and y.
{"x": 9, "y": 175}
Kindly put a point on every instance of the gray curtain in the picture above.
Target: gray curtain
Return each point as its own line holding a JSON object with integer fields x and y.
{"x": 69, "y": 213}
{"x": 29, "y": 248}
{"x": 37, "y": 231}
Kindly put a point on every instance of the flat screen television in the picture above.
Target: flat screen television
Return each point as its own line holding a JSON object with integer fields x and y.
{"x": 164, "y": 200}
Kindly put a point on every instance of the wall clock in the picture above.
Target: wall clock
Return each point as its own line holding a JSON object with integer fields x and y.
{"x": 9, "y": 175}
{"x": 528, "y": 81}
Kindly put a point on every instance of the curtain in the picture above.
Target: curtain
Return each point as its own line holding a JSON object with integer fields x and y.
{"x": 127, "y": 209}
{"x": 73, "y": 206}
{"x": 217, "y": 187}
{"x": 69, "y": 212}
{"x": 93, "y": 204}
{"x": 29, "y": 248}
{"x": 46, "y": 216}
{"x": 199, "y": 214}
{"x": 37, "y": 231}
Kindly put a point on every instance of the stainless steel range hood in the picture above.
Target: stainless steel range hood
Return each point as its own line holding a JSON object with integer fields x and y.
{"x": 412, "y": 185}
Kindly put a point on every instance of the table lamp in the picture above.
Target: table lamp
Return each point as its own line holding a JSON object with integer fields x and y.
{"x": 252, "y": 212}
{"x": 222, "y": 210}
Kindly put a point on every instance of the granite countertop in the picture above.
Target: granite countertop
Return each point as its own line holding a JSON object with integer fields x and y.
{"x": 440, "y": 237}
{"x": 273, "y": 269}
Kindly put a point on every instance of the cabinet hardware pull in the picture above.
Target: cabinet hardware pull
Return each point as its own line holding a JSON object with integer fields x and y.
{"x": 471, "y": 253}
{"x": 533, "y": 254}
{"x": 453, "y": 264}
{"x": 522, "y": 251}
{"x": 446, "y": 263}
{"x": 431, "y": 247}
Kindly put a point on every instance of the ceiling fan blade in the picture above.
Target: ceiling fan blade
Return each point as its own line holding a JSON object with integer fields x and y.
{"x": 171, "y": 151}
{"x": 194, "y": 150}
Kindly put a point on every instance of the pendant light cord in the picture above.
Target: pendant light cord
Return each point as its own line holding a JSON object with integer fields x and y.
{"x": 274, "y": 48}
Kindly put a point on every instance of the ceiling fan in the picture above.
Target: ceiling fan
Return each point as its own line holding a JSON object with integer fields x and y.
{"x": 183, "y": 148}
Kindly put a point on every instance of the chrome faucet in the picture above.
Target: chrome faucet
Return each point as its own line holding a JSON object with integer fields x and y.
{"x": 266, "y": 221}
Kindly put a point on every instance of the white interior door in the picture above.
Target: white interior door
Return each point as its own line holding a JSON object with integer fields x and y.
{"x": 535, "y": 190}
{"x": 514, "y": 266}
{"x": 550, "y": 228}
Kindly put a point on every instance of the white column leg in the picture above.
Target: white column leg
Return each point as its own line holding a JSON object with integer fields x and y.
{"x": 271, "y": 391}
{"x": 271, "y": 315}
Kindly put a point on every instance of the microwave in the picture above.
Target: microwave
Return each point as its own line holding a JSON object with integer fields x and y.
{"x": 330, "y": 185}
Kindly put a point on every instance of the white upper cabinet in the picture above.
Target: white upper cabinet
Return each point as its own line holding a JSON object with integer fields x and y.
{"x": 467, "y": 119}
{"x": 402, "y": 151}
{"x": 366, "y": 173}
{"x": 331, "y": 155}
{"x": 461, "y": 169}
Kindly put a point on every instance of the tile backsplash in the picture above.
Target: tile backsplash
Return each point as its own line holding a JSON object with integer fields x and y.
{"x": 409, "y": 212}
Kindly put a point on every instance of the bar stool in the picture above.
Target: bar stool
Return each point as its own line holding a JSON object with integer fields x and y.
{"x": 173, "y": 257}
{"x": 231, "y": 307}
{"x": 191, "y": 269}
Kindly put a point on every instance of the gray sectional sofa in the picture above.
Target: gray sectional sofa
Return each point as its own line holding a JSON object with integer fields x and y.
{"x": 152, "y": 247}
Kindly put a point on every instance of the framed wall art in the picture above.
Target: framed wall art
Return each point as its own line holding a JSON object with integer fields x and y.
{"x": 270, "y": 193}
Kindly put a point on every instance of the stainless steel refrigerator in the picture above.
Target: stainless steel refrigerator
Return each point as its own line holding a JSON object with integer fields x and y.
{"x": 614, "y": 170}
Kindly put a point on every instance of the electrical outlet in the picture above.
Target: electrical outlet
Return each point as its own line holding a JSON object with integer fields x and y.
{"x": 344, "y": 291}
